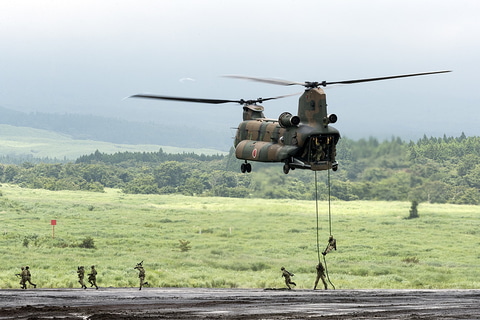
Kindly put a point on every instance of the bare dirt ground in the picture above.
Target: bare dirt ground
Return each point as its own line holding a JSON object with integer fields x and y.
{"x": 201, "y": 303}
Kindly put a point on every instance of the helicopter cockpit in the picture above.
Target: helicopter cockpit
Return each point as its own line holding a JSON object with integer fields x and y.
{"x": 251, "y": 112}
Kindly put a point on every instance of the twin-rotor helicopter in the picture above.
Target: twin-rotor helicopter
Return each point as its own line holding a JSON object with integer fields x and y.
{"x": 302, "y": 141}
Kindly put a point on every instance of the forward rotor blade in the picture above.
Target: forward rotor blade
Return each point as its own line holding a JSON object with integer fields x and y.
{"x": 279, "y": 97}
{"x": 267, "y": 80}
{"x": 382, "y": 78}
{"x": 210, "y": 101}
{"x": 197, "y": 100}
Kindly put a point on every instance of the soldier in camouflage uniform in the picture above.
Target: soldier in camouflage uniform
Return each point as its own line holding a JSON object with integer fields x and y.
{"x": 23, "y": 278}
{"x": 320, "y": 275}
{"x": 81, "y": 275}
{"x": 28, "y": 277}
{"x": 332, "y": 245}
{"x": 92, "y": 277}
{"x": 287, "y": 276}
{"x": 141, "y": 274}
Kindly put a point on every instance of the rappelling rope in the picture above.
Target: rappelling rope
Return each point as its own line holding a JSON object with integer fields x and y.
{"x": 316, "y": 211}
{"x": 330, "y": 226}
{"x": 329, "y": 207}
{"x": 318, "y": 226}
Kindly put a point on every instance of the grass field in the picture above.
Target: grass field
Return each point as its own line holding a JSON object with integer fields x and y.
{"x": 234, "y": 242}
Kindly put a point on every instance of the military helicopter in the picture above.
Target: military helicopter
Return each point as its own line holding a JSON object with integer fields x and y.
{"x": 303, "y": 141}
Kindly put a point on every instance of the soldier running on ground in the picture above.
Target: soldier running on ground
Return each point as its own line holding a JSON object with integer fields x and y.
{"x": 141, "y": 274}
{"x": 92, "y": 278}
{"x": 28, "y": 277}
{"x": 81, "y": 275}
{"x": 320, "y": 275}
{"x": 23, "y": 278}
{"x": 287, "y": 276}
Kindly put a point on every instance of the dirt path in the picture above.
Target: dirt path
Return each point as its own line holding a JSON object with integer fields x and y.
{"x": 199, "y": 303}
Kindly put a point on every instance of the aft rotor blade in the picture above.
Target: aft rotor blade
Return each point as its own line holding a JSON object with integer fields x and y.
{"x": 267, "y": 80}
{"x": 382, "y": 78}
{"x": 314, "y": 84}
{"x": 197, "y": 100}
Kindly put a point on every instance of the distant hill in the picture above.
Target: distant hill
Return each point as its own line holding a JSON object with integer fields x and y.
{"x": 29, "y": 143}
{"x": 96, "y": 128}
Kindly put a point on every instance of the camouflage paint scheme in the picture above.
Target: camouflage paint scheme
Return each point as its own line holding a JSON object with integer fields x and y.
{"x": 305, "y": 141}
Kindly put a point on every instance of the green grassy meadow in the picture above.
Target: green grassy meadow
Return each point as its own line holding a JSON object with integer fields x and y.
{"x": 234, "y": 242}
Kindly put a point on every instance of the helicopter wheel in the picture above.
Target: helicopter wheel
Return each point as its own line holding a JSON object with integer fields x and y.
{"x": 286, "y": 168}
{"x": 335, "y": 167}
{"x": 243, "y": 168}
{"x": 246, "y": 167}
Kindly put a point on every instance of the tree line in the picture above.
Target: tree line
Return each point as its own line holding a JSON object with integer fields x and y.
{"x": 436, "y": 170}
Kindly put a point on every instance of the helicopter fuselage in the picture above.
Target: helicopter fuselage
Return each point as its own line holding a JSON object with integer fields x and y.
{"x": 306, "y": 141}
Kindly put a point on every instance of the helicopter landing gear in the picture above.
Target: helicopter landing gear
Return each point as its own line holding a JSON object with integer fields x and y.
{"x": 246, "y": 167}
{"x": 286, "y": 168}
{"x": 335, "y": 166}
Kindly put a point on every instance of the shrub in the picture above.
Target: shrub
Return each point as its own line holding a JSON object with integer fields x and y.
{"x": 413, "y": 210}
{"x": 87, "y": 243}
{"x": 411, "y": 260}
{"x": 184, "y": 245}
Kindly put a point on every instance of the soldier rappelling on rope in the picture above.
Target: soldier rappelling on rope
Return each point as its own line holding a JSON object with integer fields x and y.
{"x": 332, "y": 245}
{"x": 320, "y": 275}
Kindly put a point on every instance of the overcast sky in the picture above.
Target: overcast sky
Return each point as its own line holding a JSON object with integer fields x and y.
{"x": 86, "y": 56}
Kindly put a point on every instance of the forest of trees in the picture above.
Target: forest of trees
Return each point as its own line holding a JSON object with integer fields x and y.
{"x": 436, "y": 170}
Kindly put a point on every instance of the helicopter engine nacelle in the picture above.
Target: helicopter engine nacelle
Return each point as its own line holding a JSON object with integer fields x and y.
{"x": 331, "y": 118}
{"x": 287, "y": 120}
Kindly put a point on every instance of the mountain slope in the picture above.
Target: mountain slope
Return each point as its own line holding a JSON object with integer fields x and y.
{"x": 89, "y": 127}
{"x": 29, "y": 142}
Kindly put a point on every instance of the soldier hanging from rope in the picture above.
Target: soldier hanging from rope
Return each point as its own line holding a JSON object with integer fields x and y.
{"x": 332, "y": 245}
{"x": 320, "y": 275}
{"x": 321, "y": 271}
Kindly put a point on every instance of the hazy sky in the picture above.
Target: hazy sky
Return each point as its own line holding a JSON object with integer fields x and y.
{"x": 86, "y": 56}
